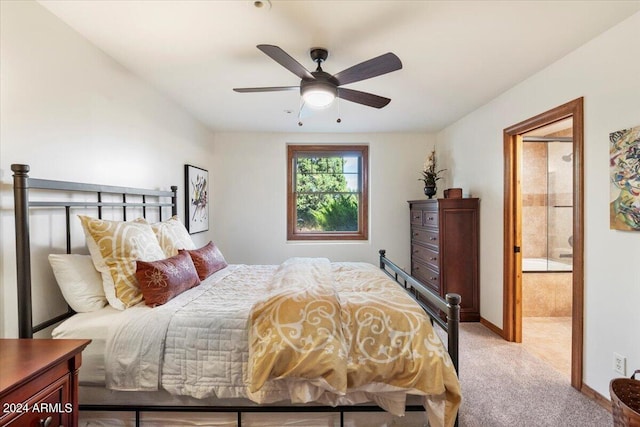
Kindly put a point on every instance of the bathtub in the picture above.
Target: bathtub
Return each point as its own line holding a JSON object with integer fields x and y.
{"x": 544, "y": 264}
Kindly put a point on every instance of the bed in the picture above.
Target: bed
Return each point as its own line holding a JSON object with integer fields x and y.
{"x": 308, "y": 335}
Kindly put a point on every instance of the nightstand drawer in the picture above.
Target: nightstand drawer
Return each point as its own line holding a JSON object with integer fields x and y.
{"x": 39, "y": 381}
{"x": 51, "y": 406}
{"x": 30, "y": 388}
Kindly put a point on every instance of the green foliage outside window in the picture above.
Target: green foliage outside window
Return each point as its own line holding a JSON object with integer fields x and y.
{"x": 340, "y": 214}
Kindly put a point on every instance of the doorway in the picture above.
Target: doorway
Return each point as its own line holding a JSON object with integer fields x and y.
{"x": 514, "y": 140}
{"x": 547, "y": 243}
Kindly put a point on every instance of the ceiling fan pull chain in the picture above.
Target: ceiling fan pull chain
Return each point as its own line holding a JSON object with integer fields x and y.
{"x": 339, "y": 119}
{"x": 300, "y": 112}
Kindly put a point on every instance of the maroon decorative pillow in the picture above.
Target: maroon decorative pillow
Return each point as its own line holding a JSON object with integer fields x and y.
{"x": 165, "y": 279}
{"x": 207, "y": 260}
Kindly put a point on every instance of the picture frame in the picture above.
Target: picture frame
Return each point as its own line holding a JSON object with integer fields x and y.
{"x": 196, "y": 184}
{"x": 624, "y": 162}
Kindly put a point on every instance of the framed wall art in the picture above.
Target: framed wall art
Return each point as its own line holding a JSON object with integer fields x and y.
{"x": 196, "y": 184}
{"x": 624, "y": 163}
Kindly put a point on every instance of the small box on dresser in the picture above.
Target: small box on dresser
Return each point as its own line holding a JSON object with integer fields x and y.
{"x": 445, "y": 249}
{"x": 39, "y": 382}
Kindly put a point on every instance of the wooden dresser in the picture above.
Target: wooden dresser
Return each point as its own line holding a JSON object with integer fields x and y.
{"x": 445, "y": 249}
{"x": 39, "y": 382}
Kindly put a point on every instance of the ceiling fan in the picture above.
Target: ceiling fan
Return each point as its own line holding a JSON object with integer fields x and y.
{"x": 319, "y": 88}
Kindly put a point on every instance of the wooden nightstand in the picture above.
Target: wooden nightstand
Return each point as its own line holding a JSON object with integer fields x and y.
{"x": 39, "y": 382}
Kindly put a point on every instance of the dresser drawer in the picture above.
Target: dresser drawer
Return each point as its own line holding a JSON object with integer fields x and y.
{"x": 426, "y": 255}
{"x": 416, "y": 216}
{"x": 430, "y": 218}
{"x": 427, "y": 237}
{"x": 426, "y": 275}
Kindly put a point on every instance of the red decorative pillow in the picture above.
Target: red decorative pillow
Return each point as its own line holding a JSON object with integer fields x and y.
{"x": 207, "y": 260}
{"x": 165, "y": 279}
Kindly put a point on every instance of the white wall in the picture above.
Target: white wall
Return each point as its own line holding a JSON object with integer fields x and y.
{"x": 606, "y": 71}
{"x": 72, "y": 113}
{"x": 249, "y": 196}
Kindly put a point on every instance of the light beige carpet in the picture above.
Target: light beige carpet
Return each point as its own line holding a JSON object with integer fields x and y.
{"x": 503, "y": 384}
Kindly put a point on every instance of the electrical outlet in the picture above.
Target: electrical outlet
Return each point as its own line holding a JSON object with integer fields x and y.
{"x": 620, "y": 364}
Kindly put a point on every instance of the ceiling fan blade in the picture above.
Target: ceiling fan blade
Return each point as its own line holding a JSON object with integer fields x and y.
{"x": 284, "y": 59}
{"x": 363, "y": 98}
{"x": 265, "y": 89}
{"x": 377, "y": 66}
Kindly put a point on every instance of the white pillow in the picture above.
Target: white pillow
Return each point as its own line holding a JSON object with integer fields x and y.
{"x": 172, "y": 236}
{"x": 79, "y": 281}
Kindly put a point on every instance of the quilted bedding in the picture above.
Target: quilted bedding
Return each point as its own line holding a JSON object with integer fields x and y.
{"x": 308, "y": 330}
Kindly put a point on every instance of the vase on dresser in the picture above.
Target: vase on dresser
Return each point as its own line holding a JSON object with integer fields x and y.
{"x": 430, "y": 191}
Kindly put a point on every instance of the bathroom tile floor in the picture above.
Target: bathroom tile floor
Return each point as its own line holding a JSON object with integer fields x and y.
{"x": 549, "y": 338}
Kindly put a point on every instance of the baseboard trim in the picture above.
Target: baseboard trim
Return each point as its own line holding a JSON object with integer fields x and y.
{"x": 493, "y": 328}
{"x": 595, "y": 396}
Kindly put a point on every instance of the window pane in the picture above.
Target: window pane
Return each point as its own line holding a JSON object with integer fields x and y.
{"x": 327, "y": 212}
{"x": 325, "y": 174}
{"x": 351, "y": 164}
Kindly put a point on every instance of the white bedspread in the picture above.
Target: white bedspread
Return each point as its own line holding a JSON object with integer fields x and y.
{"x": 197, "y": 345}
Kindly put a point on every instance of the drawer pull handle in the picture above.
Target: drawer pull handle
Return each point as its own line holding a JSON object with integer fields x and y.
{"x": 416, "y": 234}
{"x": 46, "y": 422}
{"x": 433, "y": 258}
{"x": 433, "y": 238}
{"x": 430, "y": 218}
{"x": 433, "y": 279}
{"x": 416, "y": 217}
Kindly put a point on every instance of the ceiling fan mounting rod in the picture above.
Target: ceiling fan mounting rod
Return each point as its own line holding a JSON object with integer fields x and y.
{"x": 318, "y": 55}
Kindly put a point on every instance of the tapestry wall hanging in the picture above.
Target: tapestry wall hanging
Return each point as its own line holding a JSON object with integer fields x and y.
{"x": 624, "y": 211}
{"x": 196, "y": 199}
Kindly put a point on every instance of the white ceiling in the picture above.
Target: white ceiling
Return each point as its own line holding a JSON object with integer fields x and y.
{"x": 457, "y": 55}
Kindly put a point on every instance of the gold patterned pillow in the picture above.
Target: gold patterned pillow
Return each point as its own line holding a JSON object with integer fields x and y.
{"x": 172, "y": 235}
{"x": 114, "y": 247}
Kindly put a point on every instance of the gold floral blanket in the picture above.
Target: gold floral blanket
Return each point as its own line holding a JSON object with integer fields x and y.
{"x": 297, "y": 331}
{"x": 353, "y": 334}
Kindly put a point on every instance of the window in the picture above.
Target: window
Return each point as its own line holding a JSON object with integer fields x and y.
{"x": 327, "y": 196}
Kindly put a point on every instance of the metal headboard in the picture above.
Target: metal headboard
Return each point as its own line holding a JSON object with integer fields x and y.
{"x": 22, "y": 183}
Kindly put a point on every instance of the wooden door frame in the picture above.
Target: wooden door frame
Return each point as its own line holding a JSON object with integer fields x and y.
{"x": 512, "y": 303}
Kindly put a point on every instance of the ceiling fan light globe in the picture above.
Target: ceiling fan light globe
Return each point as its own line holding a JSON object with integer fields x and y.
{"x": 318, "y": 94}
{"x": 318, "y": 98}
